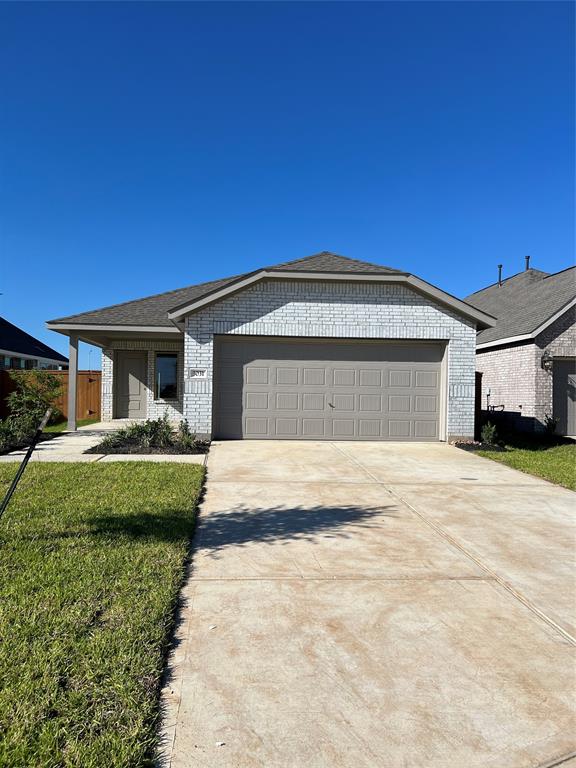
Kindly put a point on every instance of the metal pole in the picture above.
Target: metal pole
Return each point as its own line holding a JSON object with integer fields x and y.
{"x": 25, "y": 461}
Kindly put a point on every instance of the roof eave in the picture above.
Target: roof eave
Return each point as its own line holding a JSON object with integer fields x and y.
{"x": 528, "y": 336}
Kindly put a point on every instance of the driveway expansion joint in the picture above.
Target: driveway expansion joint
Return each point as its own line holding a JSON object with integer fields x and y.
{"x": 456, "y": 544}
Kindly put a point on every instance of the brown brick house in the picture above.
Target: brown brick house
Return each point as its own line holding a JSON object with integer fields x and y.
{"x": 528, "y": 359}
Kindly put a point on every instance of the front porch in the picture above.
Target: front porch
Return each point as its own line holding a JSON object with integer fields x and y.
{"x": 142, "y": 378}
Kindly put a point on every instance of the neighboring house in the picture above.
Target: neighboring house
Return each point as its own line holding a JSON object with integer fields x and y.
{"x": 19, "y": 350}
{"x": 321, "y": 348}
{"x": 528, "y": 359}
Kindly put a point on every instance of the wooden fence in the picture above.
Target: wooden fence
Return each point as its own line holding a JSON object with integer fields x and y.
{"x": 88, "y": 389}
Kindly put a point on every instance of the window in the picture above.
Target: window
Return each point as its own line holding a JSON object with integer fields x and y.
{"x": 166, "y": 376}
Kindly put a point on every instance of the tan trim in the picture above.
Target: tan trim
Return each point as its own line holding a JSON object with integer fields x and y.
{"x": 483, "y": 320}
{"x": 501, "y": 342}
{"x": 63, "y": 327}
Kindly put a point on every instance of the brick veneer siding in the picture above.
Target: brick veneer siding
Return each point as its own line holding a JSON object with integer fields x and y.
{"x": 515, "y": 378}
{"x": 331, "y": 310}
{"x": 508, "y": 378}
{"x": 154, "y": 408}
{"x": 559, "y": 339}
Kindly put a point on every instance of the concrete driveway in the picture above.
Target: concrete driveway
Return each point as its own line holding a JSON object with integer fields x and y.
{"x": 375, "y": 605}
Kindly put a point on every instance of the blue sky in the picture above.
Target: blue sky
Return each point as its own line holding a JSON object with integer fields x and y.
{"x": 148, "y": 146}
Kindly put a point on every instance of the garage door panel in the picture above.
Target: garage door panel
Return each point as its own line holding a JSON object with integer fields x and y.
{"x": 400, "y": 378}
{"x": 371, "y": 428}
{"x": 399, "y": 404}
{"x": 287, "y": 401}
{"x": 287, "y": 376}
{"x": 425, "y": 430}
{"x": 256, "y": 427}
{"x": 285, "y": 427}
{"x": 344, "y": 377}
{"x": 315, "y": 390}
{"x": 342, "y": 402}
{"x": 343, "y": 428}
{"x": 313, "y": 427}
{"x": 399, "y": 428}
{"x": 426, "y": 379}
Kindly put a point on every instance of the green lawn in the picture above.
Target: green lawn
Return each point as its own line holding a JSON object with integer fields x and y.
{"x": 92, "y": 558}
{"x": 555, "y": 463}
{"x": 62, "y": 426}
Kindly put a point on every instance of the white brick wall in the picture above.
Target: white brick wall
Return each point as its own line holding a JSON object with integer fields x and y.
{"x": 337, "y": 310}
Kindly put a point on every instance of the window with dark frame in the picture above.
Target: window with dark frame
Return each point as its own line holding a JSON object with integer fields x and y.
{"x": 166, "y": 376}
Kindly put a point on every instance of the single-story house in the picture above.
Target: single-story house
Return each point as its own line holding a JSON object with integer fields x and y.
{"x": 528, "y": 359}
{"x": 321, "y": 348}
{"x": 19, "y": 350}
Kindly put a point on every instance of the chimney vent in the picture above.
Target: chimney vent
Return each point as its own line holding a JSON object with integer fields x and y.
{"x": 499, "y": 274}
{"x": 527, "y": 262}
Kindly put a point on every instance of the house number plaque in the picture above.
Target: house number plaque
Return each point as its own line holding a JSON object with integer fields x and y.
{"x": 196, "y": 373}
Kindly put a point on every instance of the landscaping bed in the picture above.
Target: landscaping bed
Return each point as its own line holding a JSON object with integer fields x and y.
{"x": 152, "y": 436}
{"x": 92, "y": 560}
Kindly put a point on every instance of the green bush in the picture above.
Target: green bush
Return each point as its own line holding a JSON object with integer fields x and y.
{"x": 7, "y": 439}
{"x": 35, "y": 392}
{"x": 488, "y": 433}
{"x": 550, "y": 423}
{"x": 153, "y": 435}
{"x": 186, "y": 438}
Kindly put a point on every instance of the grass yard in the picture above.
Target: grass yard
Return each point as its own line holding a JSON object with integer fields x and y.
{"x": 92, "y": 559}
{"x": 555, "y": 463}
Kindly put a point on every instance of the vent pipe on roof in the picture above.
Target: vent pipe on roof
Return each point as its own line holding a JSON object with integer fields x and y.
{"x": 499, "y": 274}
{"x": 527, "y": 267}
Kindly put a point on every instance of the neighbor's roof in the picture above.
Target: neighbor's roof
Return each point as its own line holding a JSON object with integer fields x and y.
{"x": 153, "y": 310}
{"x": 524, "y": 302}
{"x": 14, "y": 339}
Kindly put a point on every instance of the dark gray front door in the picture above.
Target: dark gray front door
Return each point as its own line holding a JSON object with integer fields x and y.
{"x": 270, "y": 388}
{"x": 565, "y": 396}
{"x": 130, "y": 384}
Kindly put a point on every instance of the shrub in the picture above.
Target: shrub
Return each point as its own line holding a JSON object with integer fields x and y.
{"x": 550, "y": 423}
{"x": 7, "y": 440}
{"x": 488, "y": 433}
{"x": 35, "y": 392}
{"x": 186, "y": 438}
{"x": 153, "y": 435}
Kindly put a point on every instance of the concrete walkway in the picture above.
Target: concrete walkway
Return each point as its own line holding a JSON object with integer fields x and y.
{"x": 362, "y": 605}
{"x": 71, "y": 446}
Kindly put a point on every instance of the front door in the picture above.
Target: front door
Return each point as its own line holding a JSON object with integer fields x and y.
{"x": 130, "y": 384}
{"x": 565, "y": 396}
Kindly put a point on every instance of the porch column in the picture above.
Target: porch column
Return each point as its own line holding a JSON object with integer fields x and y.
{"x": 72, "y": 376}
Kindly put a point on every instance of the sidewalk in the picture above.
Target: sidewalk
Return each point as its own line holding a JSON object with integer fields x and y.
{"x": 71, "y": 446}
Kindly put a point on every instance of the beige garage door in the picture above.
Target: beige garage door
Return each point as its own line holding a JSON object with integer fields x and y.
{"x": 271, "y": 388}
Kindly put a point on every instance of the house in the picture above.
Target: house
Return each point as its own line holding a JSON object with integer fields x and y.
{"x": 320, "y": 348}
{"x": 528, "y": 359}
{"x": 20, "y": 350}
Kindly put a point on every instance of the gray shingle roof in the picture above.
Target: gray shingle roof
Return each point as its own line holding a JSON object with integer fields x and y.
{"x": 153, "y": 310}
{"x": 523, "y": 302}
{"x": 14, "y": 339}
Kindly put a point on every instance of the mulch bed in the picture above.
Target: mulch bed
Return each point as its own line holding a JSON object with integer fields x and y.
{"x": 473, "y": 445}
{"x": 128, "y": 446}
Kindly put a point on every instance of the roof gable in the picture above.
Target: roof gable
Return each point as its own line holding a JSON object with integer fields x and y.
{"x": 524, "y": 302}
{"x": 163, "y": 310}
